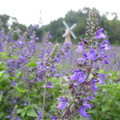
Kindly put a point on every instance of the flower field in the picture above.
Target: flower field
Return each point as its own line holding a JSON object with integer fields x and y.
{"x": 45, "y": 81}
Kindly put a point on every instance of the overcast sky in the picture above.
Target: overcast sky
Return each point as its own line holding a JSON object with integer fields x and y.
{"x": 28, "y": 11}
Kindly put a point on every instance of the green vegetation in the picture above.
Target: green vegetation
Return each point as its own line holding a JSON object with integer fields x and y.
{"x": 106, "y": 102}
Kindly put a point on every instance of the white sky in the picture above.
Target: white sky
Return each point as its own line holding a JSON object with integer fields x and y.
{"x": 28, "y": 11}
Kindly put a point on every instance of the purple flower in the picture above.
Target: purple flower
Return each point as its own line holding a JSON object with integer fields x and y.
{"x": 68, "y": 43}
{"x": 12, "y": 83}
{"x": 37, "y": 38}
{"x": 104, "y": 46}
{"x": 91, "y": 55}
{"x": 25, "y": 103}
{"x": 105, "y": 42}
{"x": 78, "y": 76}
{"x": 1, "y": 48}
{"x": 17, "y": 119}
{"x": 62, "y": 103}
{"x": 101, "y": 51}
{"x": 57, "y": 58}
{"x": 86, "y": 105}
{"x": 88, "y": 98}
{"x": 31, "y": 37}
{"x": 56, "y": 75}
{"x": 93, "y": 85}
{"x": 82, "y": 112}
{"x": 53, "y": 118}
{"x": 8, "y": 117}
{"x": 101, "y": 78}
{"x": 80, "y": 47}
{"x": 39, "y": 114}
{"x": 20, "y": 42}
{"x": 106, "y": 62}
{"x": 15, "y": 101}
{"x": 100, "y": 34}
{"x": 11, "y": 64}
{"x": 49, "y": 85}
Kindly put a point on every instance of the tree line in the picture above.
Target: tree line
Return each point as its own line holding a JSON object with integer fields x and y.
{"x": 57, "y": 29}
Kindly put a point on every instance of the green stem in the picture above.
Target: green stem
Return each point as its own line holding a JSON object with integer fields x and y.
{"x": 44, "y": 98}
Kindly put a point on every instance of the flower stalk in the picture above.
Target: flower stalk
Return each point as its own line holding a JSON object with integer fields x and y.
{"x": 44, "y": 99}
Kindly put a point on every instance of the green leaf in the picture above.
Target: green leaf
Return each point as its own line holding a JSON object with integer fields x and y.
{"x": 1, "y": 73}
{"x": 3, "y": 55}
{"x": 20, "y": 90}
{"x": 23, "y": 114}
{"x": 31, "y": 64}
{"x": 105, "y": 108}
{"x": 20, "y": 111}
{"x": 1, "y": 114}
{"x": 101, "y": 71}
{"x": 31, "y": 113}
{"x": 6, "y": 76}
{"x": 35, "y": 106}
{"x": 1, "y": 95}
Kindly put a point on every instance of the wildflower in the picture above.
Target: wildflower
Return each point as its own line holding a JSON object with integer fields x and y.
{"x": 17, "y": 119}
{"x": 82, "y": 112}
{"x": 57, "y": 75}
{"x": 80, "y": 47}
{"x": 49, "y": 85}
{"x": 62, "y": 103}
{"x": 11, "y": 64}
{"x": 31, "y": 37}
{"x": 39, "y": 114}
{"x": 93, "y": 85}
{"x": 36, "y": 38}
{"x": 78, "y": 76}
{"x": 1, "y": 48}
{"x": 68, "y": 43}
{"x": 104, "y": 46}
{"x": 100, "y": 34}
{"x": 12, "y": 83}
{"x": 25, "y": 103}
{"x": 91, "y": 55}
{"x": 53, "y": 118}
{"x": 8, "y": 117}
{"x": 15, "y": 101}
{"x": 101, "y": 78}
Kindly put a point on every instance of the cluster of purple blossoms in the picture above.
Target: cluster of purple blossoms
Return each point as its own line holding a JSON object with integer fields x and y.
{"x": 82, "y": 83}
{"x": 100, "y": 34}
{"x": 25, "y": 66}
{"x": 78, "y": 75}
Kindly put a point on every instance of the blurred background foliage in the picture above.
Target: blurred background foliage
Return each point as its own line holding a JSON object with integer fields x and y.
{"x": 57, "y": 29}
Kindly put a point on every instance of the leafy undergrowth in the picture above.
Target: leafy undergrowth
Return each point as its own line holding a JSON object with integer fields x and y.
{"x": 107, "y": 99}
